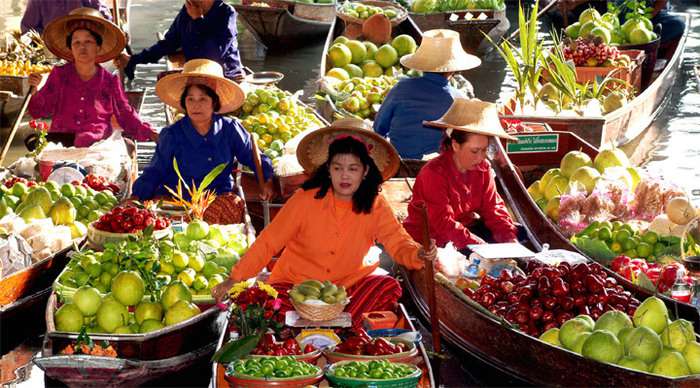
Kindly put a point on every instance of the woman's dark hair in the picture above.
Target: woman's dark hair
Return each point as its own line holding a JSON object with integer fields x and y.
{"x": 363, "y": 199}
{"x": 460, "y": 137}
{"x": 207, "y": 90}
{"x": 96, "y": 36}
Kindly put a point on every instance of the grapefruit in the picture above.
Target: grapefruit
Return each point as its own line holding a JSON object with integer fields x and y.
{"x": 338, "y": 73}
{"x": 197, "y": 230}
{"x": 340, "y": 55}
{"x": 404, "y": 44}
{"x": 358, "y": 51}
{"x": 386, "y": 56}
{"x": 111, "y": 315}
{"x": 88, "y": 300}
{"x": 372, "y": 69}
{"x": 354, "y": 71}
{"x": 174, "y": 293}
{"x": 128, "y": 288}
{"x": 371, "y": 49}
{"x": 148, "y": 310}
{"x": 150, "y": 325}
{"x": 68, "y": 318}
{"x": 180, "y": 311}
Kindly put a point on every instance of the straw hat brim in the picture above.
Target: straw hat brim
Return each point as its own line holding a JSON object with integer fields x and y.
{"x": 313, "y": 149}
{"x": 55, "y": 33}
{"x": 461, "y": 62}
{"x": 170, "y": 87}
{"x": 443, "y": 125}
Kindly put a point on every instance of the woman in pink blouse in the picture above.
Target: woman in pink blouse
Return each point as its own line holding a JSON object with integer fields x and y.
{"x": 81, "y": 97}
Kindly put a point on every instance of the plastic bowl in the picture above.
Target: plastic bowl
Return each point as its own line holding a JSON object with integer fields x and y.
{"x": 409, "y": 381}
{"x": 262, "y": 382}
{"x": 98, "y": 238}
{"x": 408, "y": 356}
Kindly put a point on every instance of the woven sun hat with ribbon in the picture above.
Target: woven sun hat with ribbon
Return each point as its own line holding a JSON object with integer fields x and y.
{"x": 440, "y": 51}
{"x": 56, "y": 32}
{"x": 474, "y": 116}
{"x": 200, "y": 72}
{"x": 313, "y": 148}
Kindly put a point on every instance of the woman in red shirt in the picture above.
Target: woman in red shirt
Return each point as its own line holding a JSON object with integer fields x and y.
{"x": 81, "y": 97}
{"x": 327, "y": 228}
{"x": 458, "y": 187}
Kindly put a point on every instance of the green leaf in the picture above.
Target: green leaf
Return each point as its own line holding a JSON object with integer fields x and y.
{"x": 211, "y": 176}
{"x": 177, "y": 171}
{"x": 644, "y": 282}
{"x": 595, "y": 249}
{"x": 233, "y": 350}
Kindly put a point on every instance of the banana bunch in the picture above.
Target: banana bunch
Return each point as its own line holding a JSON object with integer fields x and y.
{"x": 21, "y": 68}
{"x": 316, "y": 290}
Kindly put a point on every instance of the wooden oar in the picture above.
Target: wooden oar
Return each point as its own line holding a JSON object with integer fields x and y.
{"x": 540, "y": 13}
{"x": 261, "y": 179}
{"x": 15, "y": 125}
{"x": 118, "y": 22}
{"x": 432, "y": 302}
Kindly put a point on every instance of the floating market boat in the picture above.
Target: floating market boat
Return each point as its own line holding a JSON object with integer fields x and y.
{"x": 516, "y": 171}
{"x": 626, "y": 123}
{"x": 471, "y": 31}
{"x": 327, "y": 107}
{"x": 142, "y": 357}
{"x": 491, "y": 339}
{"x": 427, "y": 379}
{"x": 280, "y": 24}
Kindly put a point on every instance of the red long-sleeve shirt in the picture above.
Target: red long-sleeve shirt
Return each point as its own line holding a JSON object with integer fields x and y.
{"x": 452, "y": 198}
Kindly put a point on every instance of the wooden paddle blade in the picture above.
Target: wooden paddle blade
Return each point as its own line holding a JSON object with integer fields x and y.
{"x": 377, "y": 29}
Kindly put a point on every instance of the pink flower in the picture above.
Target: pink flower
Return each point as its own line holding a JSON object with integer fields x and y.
{"x": 276, "y": 304}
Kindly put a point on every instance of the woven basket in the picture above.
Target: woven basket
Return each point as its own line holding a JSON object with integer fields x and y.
{"x": 402, "y": 14}
{"x": 322, "y": 312}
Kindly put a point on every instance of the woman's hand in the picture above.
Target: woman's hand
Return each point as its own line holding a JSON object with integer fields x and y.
{"x": 35, "y": 80}
{"x": 268, "y": 191}
{"x": 220, "y": 291}
{"x": 430, "y": 254}
{"x": 122, "y": 60}
{"x": 155, "y": 136}
{"x": 194, "y": 9}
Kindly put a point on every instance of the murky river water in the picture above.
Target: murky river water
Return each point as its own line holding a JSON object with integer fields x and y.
{"x": 675, "y": 134}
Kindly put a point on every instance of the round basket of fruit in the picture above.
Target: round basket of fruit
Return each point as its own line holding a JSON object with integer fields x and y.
{"x": 373, "y": 374}
{"x": 358, "y": 11}
{"x": 361, "y": 347}
{"x": 272, "y": 372}
{"x": 317, "y": 301}
{"x": 121, "y": 222}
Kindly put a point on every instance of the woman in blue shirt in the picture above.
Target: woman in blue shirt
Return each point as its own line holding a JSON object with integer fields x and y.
{"x": 413, "y": 100}
{"x": 203, "y": 139}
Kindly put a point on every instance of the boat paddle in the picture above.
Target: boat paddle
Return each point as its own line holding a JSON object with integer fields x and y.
{"x": 540, "y": 13}
{"x": 432, "y": 302}
{"x": 15, "y": 125}
{"x": 261, "y": 179}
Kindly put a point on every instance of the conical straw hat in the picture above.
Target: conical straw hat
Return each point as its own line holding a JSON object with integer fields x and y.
{"x": 440, "y": 51}
{"x": 313, "y": 148}
{"x": 474, "y": 116}
{"x": 56, "y": 32}
{"x": 204, "y": 72}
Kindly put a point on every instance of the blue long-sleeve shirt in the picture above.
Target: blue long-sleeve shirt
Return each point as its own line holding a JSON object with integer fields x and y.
{"x": 196, "y": 155}
{"x": 408, "y": 103}
{"x": 210, "y": 37}
{"x": 40, "y": 12}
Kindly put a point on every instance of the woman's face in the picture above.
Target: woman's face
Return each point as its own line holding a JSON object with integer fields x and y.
{"x": 200, "y": 107}
{"x": 84, "y": 46}
{"x": 347, "y": 173}
{"x": 472, "y": 152}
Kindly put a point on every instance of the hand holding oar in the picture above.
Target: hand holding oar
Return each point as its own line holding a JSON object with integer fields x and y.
{"x": 15, "y": 125}
{"x": 430, "y": 251}
{"x": 265, "y": 191}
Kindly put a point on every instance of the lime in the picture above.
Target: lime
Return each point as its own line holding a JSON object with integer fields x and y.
{"x": 606, "y": 224}
{"x": 616, "y": 247}
{"x": 659, "y": 249}
{"x": 650, "y": 237}
{"x": 605, "y": 234}
{"x": 629, "y": 244}
{"x": 617, "y": 225}
{"x": 631, "y": 253}
{"x": 645, "y": 249}
{"x": 622, "y": 236}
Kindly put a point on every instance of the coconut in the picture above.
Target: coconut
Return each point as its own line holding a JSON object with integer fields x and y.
{"x": 680, "y": 211}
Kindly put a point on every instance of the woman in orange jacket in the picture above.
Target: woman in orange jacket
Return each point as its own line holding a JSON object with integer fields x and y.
{"x": 327, "y": 228}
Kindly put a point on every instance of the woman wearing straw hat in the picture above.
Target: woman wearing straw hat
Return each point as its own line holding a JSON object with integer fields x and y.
{"x": 202, "y": 139}
{"x": 458, "y": 187}
{"x": 81, "y": 97}
{"x": 413, "y": 100}
{"x": 328, "y": 227}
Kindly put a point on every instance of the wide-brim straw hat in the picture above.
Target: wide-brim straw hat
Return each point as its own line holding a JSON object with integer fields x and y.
{"x": 313, "y": 148}
{"x": 440, "y": 51}
{"x": 56, "y": 32}
{"x": 200, "y": 72}
{"x": 474, "y": 116}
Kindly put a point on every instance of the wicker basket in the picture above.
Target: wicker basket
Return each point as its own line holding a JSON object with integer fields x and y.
{"x": 98, "y": 238}
{"x": 402, "y": 14}
{"x": 320, "y": 312}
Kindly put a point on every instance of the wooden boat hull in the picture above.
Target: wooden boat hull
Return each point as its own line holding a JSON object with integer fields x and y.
{"x": 471, "y": 32}
{"x": 627, "y": 123}
{"x": 510, "y": 169}
{"x": 286, "y": 24}
{"x": 427, "y": 381}
{"x": 17, "y": 324}
{"x": 481, "y": 334}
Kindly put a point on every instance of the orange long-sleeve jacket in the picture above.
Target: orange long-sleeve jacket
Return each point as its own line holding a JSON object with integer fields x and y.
{"x": 324, "y": 239}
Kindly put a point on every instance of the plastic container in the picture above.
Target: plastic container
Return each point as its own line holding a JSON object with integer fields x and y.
{"x": 411, "y": 356}
{"x": 409, "y": 381}
{"x": 262, "y": 382}
{"x": 377, "y": 320}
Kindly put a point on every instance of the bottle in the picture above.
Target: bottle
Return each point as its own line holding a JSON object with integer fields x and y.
{"x": 472, "y": 271}
{"x": 681, "y": 290}
{"x": 695, "y": 297}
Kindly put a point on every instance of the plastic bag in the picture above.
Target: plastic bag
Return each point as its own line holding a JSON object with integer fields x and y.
{"x": 450, "y": 261}
{"x": 15, "y": 255}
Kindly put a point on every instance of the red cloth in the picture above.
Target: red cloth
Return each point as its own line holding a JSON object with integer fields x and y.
{"x": 371, "y": 293}
{"x": 85, "y": 108}
{"x": 452, "y": 198}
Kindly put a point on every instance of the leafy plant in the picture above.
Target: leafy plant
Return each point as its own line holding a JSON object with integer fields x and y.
{"x": 634, "y": 9}
{"x": 525, "y": 62}
{"x": 199, "y": 197}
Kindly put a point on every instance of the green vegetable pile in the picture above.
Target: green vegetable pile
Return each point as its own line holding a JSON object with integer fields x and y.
{"x": 375, "y": 370}
{"x": 271, "y": 367}
{"x": 434, "y": 6}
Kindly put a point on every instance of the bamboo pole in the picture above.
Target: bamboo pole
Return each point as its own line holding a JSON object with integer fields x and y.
{"x": 15, "y": 125}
